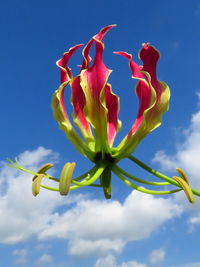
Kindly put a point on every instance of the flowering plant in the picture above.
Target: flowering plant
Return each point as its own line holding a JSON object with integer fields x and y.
{"x": 95, "y": 113}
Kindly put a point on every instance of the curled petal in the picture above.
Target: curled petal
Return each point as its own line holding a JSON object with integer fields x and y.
{"x": 62, "y": 118}
{"x": 87, "y": 59}
{"x": 65, "y": 73}
{"x": 153, "y": 99}
{"x": 112, "y": 105}
{"x": 144, "y": 92}
{"x": 150, "y": 56}
{"x": 78, "y": 102}
{"x": 135, "y": 68}
{"x": 93, "y": 83}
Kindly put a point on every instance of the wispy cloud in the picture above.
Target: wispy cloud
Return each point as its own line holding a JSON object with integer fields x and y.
{"x": 44, "y": 259}
{"x": 21, "y": 257}
{"x": 194, "y": 264}
{"x": 110, "y": 261}
{"x": 157, "y": 256}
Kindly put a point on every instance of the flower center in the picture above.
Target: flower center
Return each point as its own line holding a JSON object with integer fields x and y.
{"x": 104, "y": 156}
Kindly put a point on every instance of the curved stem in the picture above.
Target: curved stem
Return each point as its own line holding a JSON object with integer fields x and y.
{"x": 138, "y": 179}
{"x": 88, "y": 181}
{"x": 71, "y": 188}
{"x": 21, "y": 168}
{"x": 142, "y": 189}
{"x": 50, "y": 188}
{"x": 159, "y": 174}
{"x": 85, "y": 174}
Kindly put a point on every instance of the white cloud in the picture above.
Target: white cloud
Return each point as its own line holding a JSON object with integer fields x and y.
{"x": 194, "y": 264}
{"x": 186, "y": 156}
{"x": 198, "y": 97}
{"x": 23, "y": 215}
{"x": 106, "y": 226}
{"x": 84, "y": 247}
{"x": 44, "y": 259}
{"x": 110, "y": 261}
{"x": 157, "y": 256}
{"x": 92, "y": 227}
{"x": 132, "y": 264}
{"x": 20, "y": 256}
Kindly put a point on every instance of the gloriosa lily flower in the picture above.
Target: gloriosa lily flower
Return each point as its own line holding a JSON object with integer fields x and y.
{"x": 96, "y": 107}
{"x": 95, "y": 114}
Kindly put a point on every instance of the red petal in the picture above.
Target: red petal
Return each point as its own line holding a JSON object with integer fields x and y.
{"x": 65, "y": 73}
{"x": 78, "y": 101}
{"x": 93, "y": 83}
{"x": 96, "y": 75}
{"x": 135, "y": 68}
{"x": 149, "y": 55}
{"x": 144, "y": 94}
{"x": 86, "y": 50}
{"x": 143, "y": 91}
{"x": 112, "y": 104}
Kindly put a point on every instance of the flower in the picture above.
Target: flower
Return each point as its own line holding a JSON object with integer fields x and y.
{"x": 96, "y": 107}
{"x": 95, "y": 114}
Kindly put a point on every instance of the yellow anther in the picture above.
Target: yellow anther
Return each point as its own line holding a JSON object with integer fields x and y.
{"x": 182, "y": 174}
{"x": 36, "y": 184}
{"x": 65, "y": 178}
{"x": 37, "y": 179}
{"x": 43, "y": 169}
{"x": 185, "y": 186}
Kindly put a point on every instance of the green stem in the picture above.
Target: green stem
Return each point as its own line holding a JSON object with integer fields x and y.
{"x": 140, "y": 180}
{"x": 142, "y": 189}
{"x": 88, "y": 181}
{"x": 19, "y": 167}
{"x": 71, "y": 188}
{"x": 159, "y": 174}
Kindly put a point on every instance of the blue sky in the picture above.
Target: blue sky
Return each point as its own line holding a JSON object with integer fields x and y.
{"x": 83, "y": 229}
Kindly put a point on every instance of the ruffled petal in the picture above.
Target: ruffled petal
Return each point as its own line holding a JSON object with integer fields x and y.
{"x": 58, "y": 105}
{"x": 149, "y": 55}
{"x": 60, "y": 115}
{"x": 93, "y": 83}
{"x": 153, "y": 99}
{"x": 78, "y": 102}
{"x": 65, "y": 73}
{"x": 112, "y": 105}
